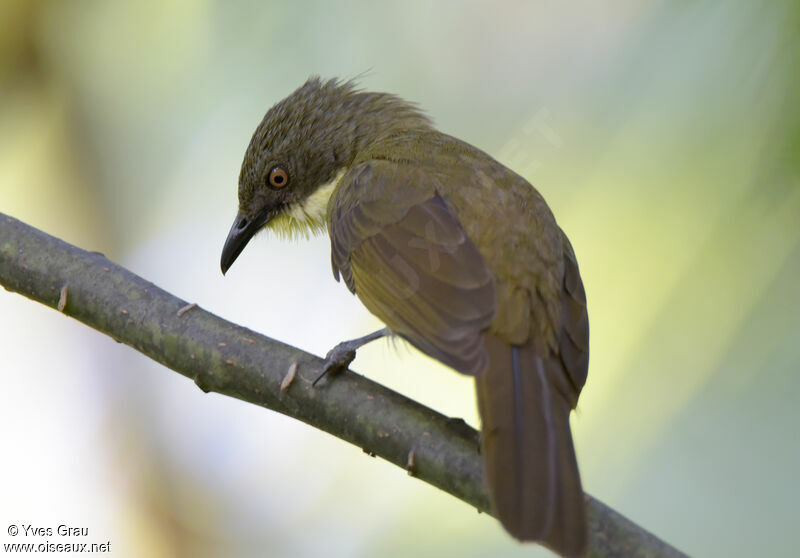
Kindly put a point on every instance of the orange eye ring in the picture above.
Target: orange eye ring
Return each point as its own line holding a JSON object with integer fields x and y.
{"x": 278, "y": 177}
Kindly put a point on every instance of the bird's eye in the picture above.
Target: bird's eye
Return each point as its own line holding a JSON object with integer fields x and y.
{"x": 278, "y": 177}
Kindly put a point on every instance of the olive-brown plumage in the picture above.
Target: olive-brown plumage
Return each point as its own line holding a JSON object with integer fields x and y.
{"x": 456, "y": 254}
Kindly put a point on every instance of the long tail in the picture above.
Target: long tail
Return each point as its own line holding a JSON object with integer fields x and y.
{"x": 529, "y": 459}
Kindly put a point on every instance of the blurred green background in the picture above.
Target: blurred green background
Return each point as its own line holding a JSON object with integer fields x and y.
{"x": 664, "y": 135}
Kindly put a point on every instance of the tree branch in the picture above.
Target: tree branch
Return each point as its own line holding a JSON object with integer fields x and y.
{"x": 229, "y": 359}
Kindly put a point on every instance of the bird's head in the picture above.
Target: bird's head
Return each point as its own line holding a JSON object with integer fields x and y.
{"x": 299, "y": 152}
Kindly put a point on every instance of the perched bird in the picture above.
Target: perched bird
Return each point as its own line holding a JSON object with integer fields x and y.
{"x": 456, "y": 254}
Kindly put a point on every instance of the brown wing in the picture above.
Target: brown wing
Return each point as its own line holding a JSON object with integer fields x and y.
{"x": 405, "y": 255}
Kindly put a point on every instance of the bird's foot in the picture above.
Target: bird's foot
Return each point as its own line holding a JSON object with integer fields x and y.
{"x": 340, "y": 357}
{"x": 337, "y": 359}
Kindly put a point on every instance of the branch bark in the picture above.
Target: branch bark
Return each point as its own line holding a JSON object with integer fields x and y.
{"x": 232, "y": 360}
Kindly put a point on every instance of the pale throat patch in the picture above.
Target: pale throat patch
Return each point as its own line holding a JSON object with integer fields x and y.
{"x": 306, "y": 218}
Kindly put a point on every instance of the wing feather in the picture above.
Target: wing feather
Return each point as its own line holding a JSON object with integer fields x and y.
{"x": 573, "y": 342}
{"x": 412, "y": 264}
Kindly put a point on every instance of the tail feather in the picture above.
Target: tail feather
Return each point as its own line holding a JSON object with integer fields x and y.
{"x": 529, "y": 458}
{"x": 570, "y": 532}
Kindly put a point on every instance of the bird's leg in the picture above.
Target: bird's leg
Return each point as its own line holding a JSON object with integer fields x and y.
{"x": 343, "y": 354}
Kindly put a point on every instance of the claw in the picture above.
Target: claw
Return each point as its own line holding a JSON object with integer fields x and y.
{"x": 340, "y": 357}
{"x": 337, "y": 359}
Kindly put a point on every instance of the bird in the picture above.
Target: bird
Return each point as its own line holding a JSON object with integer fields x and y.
{"x": 456, "y": 254}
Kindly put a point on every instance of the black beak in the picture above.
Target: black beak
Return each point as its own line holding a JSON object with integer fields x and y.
{"x": 242, "y": 231}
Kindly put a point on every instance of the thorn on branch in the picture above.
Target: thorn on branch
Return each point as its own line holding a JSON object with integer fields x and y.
{"x": 186, "y": 308}
{"x": 62, "y": 299}
{"x": 411, "y": 465}
{"x": 201, "y": 384}
{"x": 289, "y": 378}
